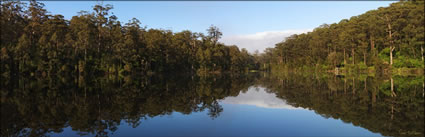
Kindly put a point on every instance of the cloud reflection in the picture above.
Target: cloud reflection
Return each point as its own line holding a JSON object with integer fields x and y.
{"x": 260, "y": 98}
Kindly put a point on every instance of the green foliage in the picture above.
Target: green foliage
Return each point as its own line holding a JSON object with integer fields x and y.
{"x": 96, "y": 43}
{"x": 384, "y": 54}
{"x": 362, "y": 66}
{"x": 369, "y": 39}
{"x": 403, "y": 61}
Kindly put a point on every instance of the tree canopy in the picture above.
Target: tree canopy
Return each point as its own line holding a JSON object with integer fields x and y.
{"x": 34, "y": 42}
{"x": 391, "y": 35}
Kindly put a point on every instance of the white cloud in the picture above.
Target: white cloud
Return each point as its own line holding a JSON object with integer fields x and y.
{"x": 258, "y": 98}
{"x": 260, "y": 40}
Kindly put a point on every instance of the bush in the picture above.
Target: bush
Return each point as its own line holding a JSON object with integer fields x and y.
{"x": 403, "y": 61}
{"x": 384, "y": 54}
{"x": 362, "y": 66}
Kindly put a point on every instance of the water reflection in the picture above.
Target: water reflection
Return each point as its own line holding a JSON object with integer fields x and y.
{"x": 391, "y": 106}
{"x": 259, "y": 97}
{"x": 34, "y": 107}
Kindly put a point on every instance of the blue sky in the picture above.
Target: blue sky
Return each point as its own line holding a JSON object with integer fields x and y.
{"x": 253, "y": 25}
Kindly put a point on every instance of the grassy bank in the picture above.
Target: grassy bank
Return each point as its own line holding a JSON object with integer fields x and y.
{"x": 348, "y": 70}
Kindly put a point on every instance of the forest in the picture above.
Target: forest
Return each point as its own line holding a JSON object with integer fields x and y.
{"x": 78, "y": 73}
{"x": 34, "y": 42}
{"x": 388, "y": 38}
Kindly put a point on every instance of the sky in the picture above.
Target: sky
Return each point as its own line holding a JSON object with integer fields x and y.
{"x": 253, "y": 25}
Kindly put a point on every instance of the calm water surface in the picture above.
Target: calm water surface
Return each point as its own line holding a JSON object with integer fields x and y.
{"x": 221, "y": 105}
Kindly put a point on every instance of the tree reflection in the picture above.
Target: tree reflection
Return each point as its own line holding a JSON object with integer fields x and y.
{"x": 93, "y": 105}
{"x": 392, "y": 106}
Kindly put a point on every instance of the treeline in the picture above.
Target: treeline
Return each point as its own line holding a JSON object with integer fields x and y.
{"x": 378, "y": 39}
{"x": 35, "y": 42}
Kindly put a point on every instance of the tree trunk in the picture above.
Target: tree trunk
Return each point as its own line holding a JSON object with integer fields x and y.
{"x": 391, "y": 40}
{"x": 391, "y": 55}
{"x": 280, "y": 59}
{"x": 392, "y": 112}
{"x": 392, "y": 89}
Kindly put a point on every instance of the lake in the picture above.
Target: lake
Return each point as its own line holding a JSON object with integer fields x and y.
{"x": 253, "y": 104}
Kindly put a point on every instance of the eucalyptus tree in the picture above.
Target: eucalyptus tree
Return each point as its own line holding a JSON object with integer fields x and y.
{"x": 52, "y": 44}
{"x": 83, "y": 31}
{"x": 214, "y": 34}
{"x": 374, "y": 38}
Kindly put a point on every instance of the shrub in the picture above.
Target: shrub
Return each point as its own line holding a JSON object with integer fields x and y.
{"x": 403, "y": 61}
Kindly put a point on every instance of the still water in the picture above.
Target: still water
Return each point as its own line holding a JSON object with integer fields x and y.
{"x": 255, "y": 104}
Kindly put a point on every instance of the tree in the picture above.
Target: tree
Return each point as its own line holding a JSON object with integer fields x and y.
{"x": 388, "y": 33}
{"x": 214, "y": 34}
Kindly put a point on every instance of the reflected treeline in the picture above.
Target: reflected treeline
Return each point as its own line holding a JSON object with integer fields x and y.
{"x": 392, "y": 106}
{"x": 36, "y": 107}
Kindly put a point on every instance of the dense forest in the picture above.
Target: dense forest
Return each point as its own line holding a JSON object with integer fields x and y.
{"x": 34, "y": 42}
{"x": 389, "y": 37}
{"x": 37, "y": 45}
